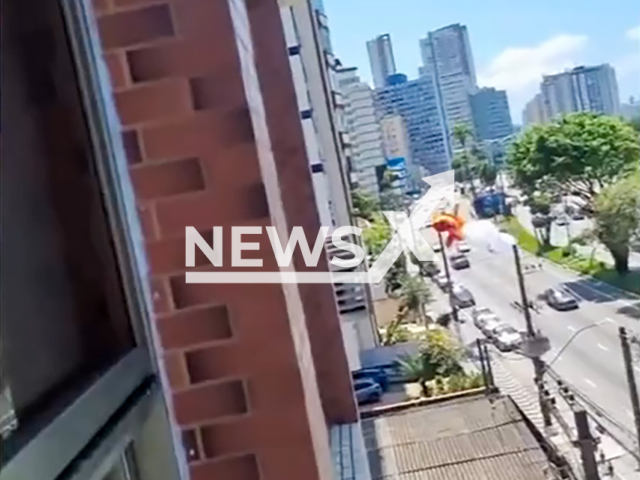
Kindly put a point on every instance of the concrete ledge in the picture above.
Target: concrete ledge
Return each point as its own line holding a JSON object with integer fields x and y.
{"x": 421, "y": 402}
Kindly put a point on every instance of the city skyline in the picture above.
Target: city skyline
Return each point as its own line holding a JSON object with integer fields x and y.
{"x": 513, "y": 57}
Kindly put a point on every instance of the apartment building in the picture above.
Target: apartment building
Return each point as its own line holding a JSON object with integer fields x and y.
{"x": 416, "y": 101}
{"x": 124, "y": 122}
{"x": 534, "y": 111}
{"x": 580, "y": 89}
{"x": 491, "y": 115}
{"x": 363, "y": 128}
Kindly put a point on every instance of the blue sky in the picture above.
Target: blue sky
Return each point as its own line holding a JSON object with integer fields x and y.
{"x": 513, "y": 42}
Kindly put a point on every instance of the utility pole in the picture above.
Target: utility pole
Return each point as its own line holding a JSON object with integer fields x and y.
{"x": 538, "y": 364}
{"x": 587, "y": 444}
{"x": 631, "y": 379}
{"x": 452, "y": 305}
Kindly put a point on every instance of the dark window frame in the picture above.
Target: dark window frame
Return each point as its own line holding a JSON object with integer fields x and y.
{"x": 58, "y": 444}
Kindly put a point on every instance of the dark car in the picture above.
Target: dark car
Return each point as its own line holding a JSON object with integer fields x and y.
{"x": 367, "y": 391}
{"x": 459, "y": 262}
{"x": 462, "y": 297}
{"x": 560, "y": 300}
{"x": 378, "y": 375}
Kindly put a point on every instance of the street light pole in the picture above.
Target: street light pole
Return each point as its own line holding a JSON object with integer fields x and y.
{"x": 631, "y": 379}
{"x": 538, "y": 364}
{"x": 454, "y": 309}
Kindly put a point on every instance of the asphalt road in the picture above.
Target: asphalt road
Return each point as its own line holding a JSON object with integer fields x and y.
{"x": 592, "y": 361}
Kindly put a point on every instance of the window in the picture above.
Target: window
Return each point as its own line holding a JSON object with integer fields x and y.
{"x": 73, "y": 350}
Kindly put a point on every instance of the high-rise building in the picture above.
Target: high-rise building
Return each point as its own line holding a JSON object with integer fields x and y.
{"x": 416, "y": 101}
{"x": 120, "y": 138}
{"x": 363, "y": 128}
{"x": 395, "y": 140}
{"x": 381, "y": 59}
{"x": 581, "y": 89}
{"x": 323, "y": 113}
{"x": 446, "y": 57}
{"x": 491, "y": 115}
{"x": 534, "y": 111}
{"x": 596, "y": 89}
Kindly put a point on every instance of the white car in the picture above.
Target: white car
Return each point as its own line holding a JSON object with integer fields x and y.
{"x": 463, "y": 247}
{"x": 506, "y": 338}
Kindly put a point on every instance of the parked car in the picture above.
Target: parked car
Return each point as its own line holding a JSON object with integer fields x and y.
{"x": 562, "y": 220}
{"x": 463, "y": 247}
{"x": 506, "y": 338}
{"x": 459, "y": 261}
{"x": 429, "y": 269}
{"x": 442, "y": 281}
{"x": 492, "y": 326}
{"x": 378, "y": 375}
{"x": 577, "y": 215}
{"x": 478, "y": 313}
{"x": 436, "y": 247}
{"x": 560, "y": 300}
{"x": 462, "y": 297}
{"x": 367, "y": 391}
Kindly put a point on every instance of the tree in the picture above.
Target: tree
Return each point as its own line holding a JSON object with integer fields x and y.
{"x": 539, "y": 204}
{"x": 396, "y": 331}
{"x": 390, "y": 198}
{"x": 393, "y": 278}
{"x": 364, "y": 205}
{"x": 414, "y": 293}
{"x": 439, "y": 356}
{"x": 580, "y": 153}
{"x": 377, "y": 235}
{"x": 617, "y": 219}
{"x": 488, "y": 173}
{"x": 461, "y": 134}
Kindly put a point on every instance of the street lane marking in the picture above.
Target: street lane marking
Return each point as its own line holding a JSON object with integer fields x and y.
{"x": 590, "y": 383}
{"x": 636, "y": 368}
{"x": 610, "y": 321}
{"x": 602, "y": 347}
{"x": 571, "y": 328}
{"x": 630, "y": 413}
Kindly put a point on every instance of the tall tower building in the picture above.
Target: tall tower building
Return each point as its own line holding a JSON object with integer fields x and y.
{"x": 491, "y": 116}
{"x": 416, "y": 101}
{"x": 381, "y": 59}
{"x": 447, "y": 59}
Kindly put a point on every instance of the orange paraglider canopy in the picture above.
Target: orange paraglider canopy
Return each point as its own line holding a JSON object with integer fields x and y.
{"x": 450, "y": 224}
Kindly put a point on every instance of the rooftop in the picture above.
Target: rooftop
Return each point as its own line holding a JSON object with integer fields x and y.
{"x": 472, "y": 438}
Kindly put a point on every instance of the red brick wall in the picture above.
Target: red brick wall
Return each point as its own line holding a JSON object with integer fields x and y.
{"x": 238, "y": 356}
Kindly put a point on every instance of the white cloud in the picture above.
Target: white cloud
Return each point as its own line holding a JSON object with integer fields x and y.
{"x": 633, "y": 33}
{"x": 519, "y": 70}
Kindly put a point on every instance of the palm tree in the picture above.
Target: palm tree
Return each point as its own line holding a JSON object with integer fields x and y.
{"x": 461, "y": 133}
{"x": 395, "y": 331}
{"x": 414, "y": 294}
{"x": 419, "y": 368}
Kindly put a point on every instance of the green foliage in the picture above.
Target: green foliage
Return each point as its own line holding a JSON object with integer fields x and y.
{"x": 461, "y": 133}
{"x": 487, "y": 173}
{"x": 377, "y": 235}
{"x": 395, "y": 331}
{"x": 579, "y": 154}
{"x": 414, "y": 293}
{"x": 393, "y": 279}
{"x": 437, "y": 367}
{"x": 364, "y": 205}
{"x": 617, "y": 218}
